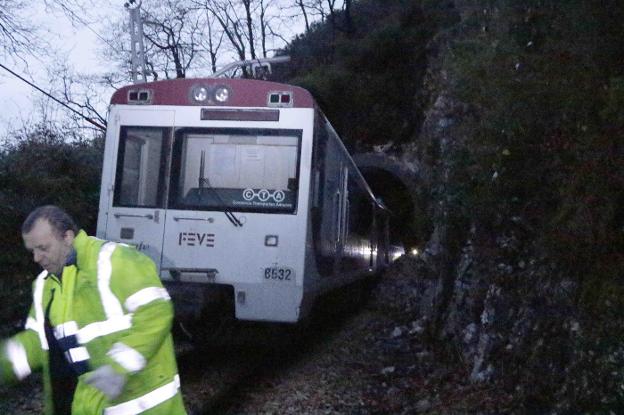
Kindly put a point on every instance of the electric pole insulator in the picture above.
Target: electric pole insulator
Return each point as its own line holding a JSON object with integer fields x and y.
{"x": 139, "y": 72}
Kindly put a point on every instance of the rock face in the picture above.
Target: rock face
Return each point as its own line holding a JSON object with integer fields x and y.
{"x": 489, "y": 298}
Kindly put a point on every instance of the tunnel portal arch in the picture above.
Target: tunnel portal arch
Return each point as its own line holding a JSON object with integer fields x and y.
{"x": 400, "y": 187}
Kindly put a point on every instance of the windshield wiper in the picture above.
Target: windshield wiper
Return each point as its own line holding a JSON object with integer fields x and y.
{"x": 205, "y": 182}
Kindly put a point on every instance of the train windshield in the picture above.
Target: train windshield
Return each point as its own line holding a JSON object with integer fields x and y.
{"x": 235, "y": 169}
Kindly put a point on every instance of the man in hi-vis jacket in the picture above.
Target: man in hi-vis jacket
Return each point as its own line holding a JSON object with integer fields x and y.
{"x": 99, "y": 326}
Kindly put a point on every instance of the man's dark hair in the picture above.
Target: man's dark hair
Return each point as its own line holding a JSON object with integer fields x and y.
{"x": 60, "y": 220}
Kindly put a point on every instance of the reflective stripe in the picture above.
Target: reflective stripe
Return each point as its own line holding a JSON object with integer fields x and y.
{"x": 145, "y": 296}
{"x": 19, "y": 359}
{"x": 31, "y": 324}
{"x": 103, "y": 328}
{"x": 78, "y": 354}
{"x": 147, "y": 401}
{"x": 112, "y": 306}
{"x": 66, "y": 329}
{"x": 127, "y": 357}
{"x": 38, "y": 303}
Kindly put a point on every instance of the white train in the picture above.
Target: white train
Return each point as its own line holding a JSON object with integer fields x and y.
{"x": 241, "y": 191}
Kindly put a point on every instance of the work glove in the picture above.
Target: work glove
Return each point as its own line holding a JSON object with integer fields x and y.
{"x": 109, "y": 382}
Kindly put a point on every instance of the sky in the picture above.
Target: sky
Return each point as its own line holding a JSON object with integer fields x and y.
{"x": 77, "y": 45}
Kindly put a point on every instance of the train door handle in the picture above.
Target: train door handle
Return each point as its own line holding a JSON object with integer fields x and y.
{"x": 338, "y": 219}
{"x": 179, "y": 218}
{"x": 126, "y": 215}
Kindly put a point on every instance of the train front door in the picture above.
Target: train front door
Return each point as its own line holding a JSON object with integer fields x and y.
{"x": 136, "y": 213}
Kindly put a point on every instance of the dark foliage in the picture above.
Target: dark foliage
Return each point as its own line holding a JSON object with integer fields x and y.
{"x": 543, "y": 86}
{"x": 42, "y": 166}
{"x": 546, "y": 148}
{"x": 367, "y": 79}
{"x": 543, "y": 160}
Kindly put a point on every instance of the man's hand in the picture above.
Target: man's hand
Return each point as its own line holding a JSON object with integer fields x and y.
{"x": 109, "y": 382}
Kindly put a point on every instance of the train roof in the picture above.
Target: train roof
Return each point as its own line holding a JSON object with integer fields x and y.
{"x": 240, "y": 93}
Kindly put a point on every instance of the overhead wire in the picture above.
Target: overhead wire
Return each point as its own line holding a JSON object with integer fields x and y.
{"x": 75, "y": 16}
{"x": 89, "y": 120}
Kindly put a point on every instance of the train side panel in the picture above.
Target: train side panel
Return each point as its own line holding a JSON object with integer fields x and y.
{"x": 345, "y": 218}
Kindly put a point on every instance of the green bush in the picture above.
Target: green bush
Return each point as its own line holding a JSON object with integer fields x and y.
{"x": 367, "y": 81}
{"x": 544, "y": 78}
{"x": 41, "y": 166}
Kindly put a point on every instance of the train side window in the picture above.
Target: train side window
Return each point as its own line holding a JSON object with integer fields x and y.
{"x": 359, "y": 220}
{"x": 318, "y": 161}
{"x": 139, "y": 179}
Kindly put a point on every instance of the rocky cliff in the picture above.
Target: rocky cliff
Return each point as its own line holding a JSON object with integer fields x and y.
{"x": 493, "y": 297}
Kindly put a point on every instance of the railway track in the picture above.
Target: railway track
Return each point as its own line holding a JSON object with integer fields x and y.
{"x": 217, "y": 379}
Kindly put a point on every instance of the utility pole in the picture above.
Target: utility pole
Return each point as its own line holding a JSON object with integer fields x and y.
{"x": 136, "y": 38}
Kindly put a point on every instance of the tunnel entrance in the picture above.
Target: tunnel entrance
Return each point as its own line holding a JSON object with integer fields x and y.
{"x": 409, "y": 225}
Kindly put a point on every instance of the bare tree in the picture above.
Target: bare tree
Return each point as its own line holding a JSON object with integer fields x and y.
{"x": 226, "y": 14}
{"x": 348, "y": 19}
{"x": 212, "y": 43}
{"x": 331, "y": 14}
{"x": 304, "y": 12}
{"x": 178, "y": 37}
{"x": 18, "y": 36}
{"x": 326, "y": 10}
{"x": 80, "y": 93}
{"x": 173, "y": 31}
{"x": 250, "y": 28}
{"x": 331, "y": 7}
{"x": 266, "y": 17}
{"x": 316, "y": 8}
{"x": 75, "y": 10}
{"x": 188, "y": 35}
{"x": 62, "y": 97}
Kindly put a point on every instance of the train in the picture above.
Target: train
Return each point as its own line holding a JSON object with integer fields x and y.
{"x": 242, "y": 193}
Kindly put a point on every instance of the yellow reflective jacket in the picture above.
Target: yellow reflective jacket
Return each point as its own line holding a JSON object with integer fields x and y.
{"x": 109, "y": 308}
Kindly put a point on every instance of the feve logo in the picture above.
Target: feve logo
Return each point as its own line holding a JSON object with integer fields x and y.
{"x": 196, "y": 239}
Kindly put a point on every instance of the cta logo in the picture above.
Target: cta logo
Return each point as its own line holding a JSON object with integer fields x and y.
{"x": 264, "y": 195}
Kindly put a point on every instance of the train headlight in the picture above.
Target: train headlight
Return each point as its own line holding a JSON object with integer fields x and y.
{"x": 221, "y": 94}
{"x": 200, "y": 93}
